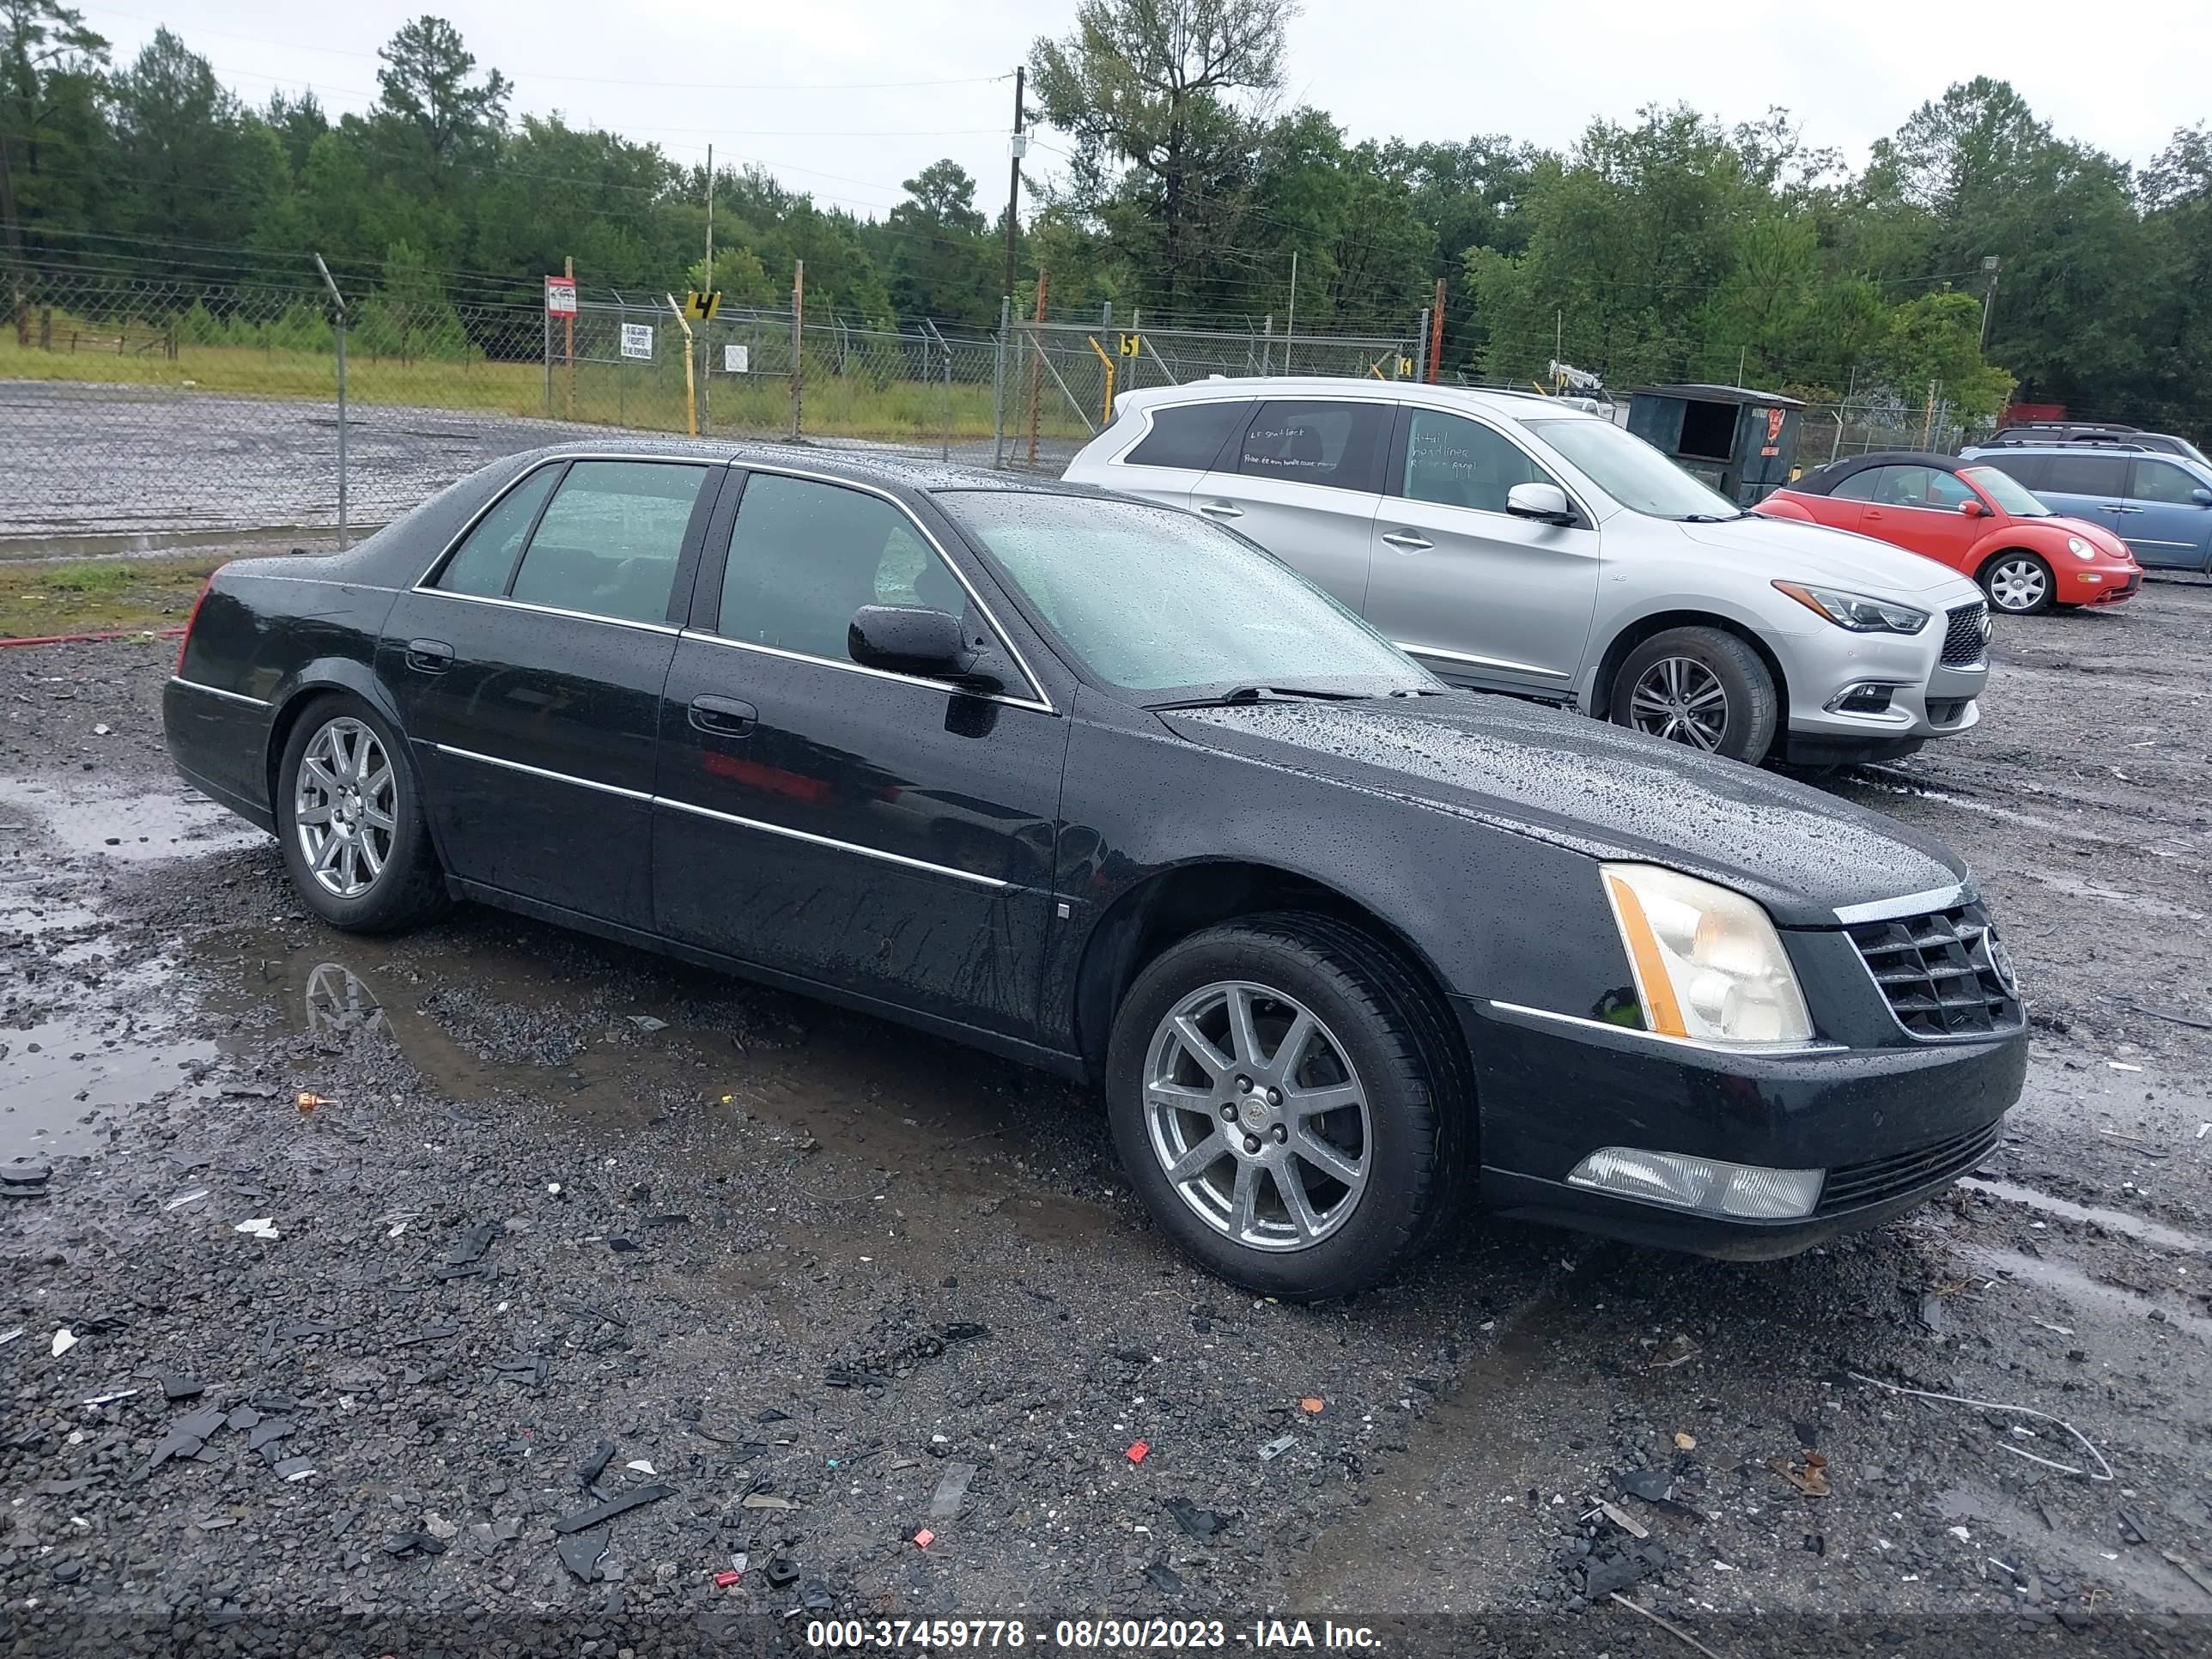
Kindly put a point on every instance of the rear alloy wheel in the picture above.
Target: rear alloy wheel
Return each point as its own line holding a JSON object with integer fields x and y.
{"x": 354, "y": 842}
{"x": 1269, "y": 1084}
{"x": 1701, "y": 687}
{"x": 2018, "y": 584}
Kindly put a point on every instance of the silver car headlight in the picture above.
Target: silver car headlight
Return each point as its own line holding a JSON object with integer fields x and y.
{"x": 2080, "y": 549}
{"x": 1708, "y": 963}
{"x": 1862, "y": 613}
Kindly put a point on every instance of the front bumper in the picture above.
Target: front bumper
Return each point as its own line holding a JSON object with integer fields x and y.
{"x": 2097, "y": 584}
{"x": 1891, "y": 1125}
{"x": 1926, "y": 700}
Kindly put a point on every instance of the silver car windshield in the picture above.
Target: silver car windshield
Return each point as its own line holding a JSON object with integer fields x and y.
{"x": 1633, "y": 472}
{"x": 2007, "y": 491}
{"x": 1150, "y": 599}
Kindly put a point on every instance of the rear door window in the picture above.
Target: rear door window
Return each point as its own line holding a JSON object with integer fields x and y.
{"x": 1190, "y": 435}
{"x": 2085, "y": 474}
{"x": 609, "y": 542}
{"x": 1337, "y": 445}
{"x": 2029, "y": 470}
{"x": 486, "y": 559}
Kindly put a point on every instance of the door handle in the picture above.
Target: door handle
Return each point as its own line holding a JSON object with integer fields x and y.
{"x": 1221, "y": 510}
{"x": 723, "y": 716}
{"x": 2118, "y": 508}
{"x": 1406, "y": 540}
{"x": 429, "y": 656}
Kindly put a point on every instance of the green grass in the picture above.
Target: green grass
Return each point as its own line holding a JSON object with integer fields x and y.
{"x": 647, "y": 395}
{"x": 98, "y": 597}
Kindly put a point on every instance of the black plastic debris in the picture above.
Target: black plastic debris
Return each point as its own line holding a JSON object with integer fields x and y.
{"x": 782, "y": 1571}
{"x": 771, "y": 1415}
{"x": 1807, "y": 1435}
{"x": 2132, "y": 1530}
{"x": 595, "y": 1462}
{"x": 177, "y": 1386}
{"x": 521, "y": 1368}
{"x": 581, "y": 1552}
{"x": 356, "y": 1379}
{"x": 1650, "y": 1484}
{"x": 623, "y": 1246}
{"x": 613, "y": 1507}
{"x": 184, "y": 1437}
{"x": 1816, "y": 1543}
{"x": 667, "y": 1220}
{"x": 267, "y": 1432}
{"x": 1617, "y": 1572}
{"x": 472, "y": 1244}
{"x": 1163, "y": 1577}
{"x": 437, "y": 1333}
{"x": 841, "y": 1377}
{"x": 60, "y": 1488}
{"x": 413, "y": 1543}
{"x": 815, "y": 1597}
{"x": 299, "y": 1330}
{"x": 1199, "y": 1523}
{"x": 68, "y": 1572}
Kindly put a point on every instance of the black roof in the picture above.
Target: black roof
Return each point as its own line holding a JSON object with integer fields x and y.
{"x": 857, "y": 462}
{"x": 1823, "y": 480}
{"x": 1701, "y": 393}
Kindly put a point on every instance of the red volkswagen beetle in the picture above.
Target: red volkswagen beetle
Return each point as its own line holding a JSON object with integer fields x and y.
{"x": 1979, "y": 521}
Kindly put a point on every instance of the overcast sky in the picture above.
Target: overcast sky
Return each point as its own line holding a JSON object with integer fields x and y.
{"x": 824, "y": 92}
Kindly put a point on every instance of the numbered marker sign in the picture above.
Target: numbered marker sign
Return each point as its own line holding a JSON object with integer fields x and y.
{"x": 560, "y": 296}
{"x": 637, "y": 339}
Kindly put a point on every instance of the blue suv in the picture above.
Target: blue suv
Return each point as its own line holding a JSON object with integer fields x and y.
{"x": 2159, "y": 505}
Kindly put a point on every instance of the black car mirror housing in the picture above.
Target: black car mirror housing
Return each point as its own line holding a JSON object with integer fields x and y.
{"x": 912, "y": 639}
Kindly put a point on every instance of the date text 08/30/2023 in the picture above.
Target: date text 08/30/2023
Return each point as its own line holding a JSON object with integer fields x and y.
{"x": 1088, "y": 1635}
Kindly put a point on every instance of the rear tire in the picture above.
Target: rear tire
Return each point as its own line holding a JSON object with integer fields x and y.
{"x": 350, "y": 824}
{"x": 1302, "y": 1175}
{"x": 1700, "y": 687}
{"x": 2018, "y": 584}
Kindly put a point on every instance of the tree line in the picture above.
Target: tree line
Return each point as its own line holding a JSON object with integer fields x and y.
{"x": 1172, "y": 177}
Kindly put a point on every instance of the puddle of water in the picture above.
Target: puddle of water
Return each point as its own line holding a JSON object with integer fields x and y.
{"x": 2081, "y": 1290}
{"x": 924, "y": 1125}
{"x": 66, "y": 1077}
{"x": 133, "y": 827}
{"x": 2118, "y": 1221}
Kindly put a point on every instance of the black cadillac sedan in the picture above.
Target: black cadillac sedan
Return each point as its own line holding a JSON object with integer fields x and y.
{"x": 1104, "y": 787}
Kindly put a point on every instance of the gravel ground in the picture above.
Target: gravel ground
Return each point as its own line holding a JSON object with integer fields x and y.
{"x": 801, "y": 1275}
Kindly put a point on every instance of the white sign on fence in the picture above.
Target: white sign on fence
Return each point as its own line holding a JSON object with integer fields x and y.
{"x": 560, "y": 296}
{"x": 637, "y": 339}
{"x": 737, "y": 360}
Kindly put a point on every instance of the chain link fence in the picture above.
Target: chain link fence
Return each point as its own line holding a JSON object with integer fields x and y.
{"x": 1859, "y": 426}
{"x": 146, "y": 412}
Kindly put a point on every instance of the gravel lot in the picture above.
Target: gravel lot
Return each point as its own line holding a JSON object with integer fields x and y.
{"x": 809, "y": 1274}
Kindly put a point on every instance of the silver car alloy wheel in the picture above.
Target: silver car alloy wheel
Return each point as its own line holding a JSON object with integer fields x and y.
{"x": 2017, "y": 585}
{"x": 1257, "y": 1117}
{"x": 342, "y": 805}
{"x": 1681, "y": 700}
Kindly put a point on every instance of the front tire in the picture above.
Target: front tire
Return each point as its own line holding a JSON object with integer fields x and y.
{"x": 1700, "y": 687}
{"x": 1278, "y": 1096}
{"x": 354, "y": 843}
{"x": 2018, "y": 584}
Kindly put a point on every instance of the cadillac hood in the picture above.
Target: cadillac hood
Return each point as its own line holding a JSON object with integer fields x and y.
{"x": 1601, "y": 790}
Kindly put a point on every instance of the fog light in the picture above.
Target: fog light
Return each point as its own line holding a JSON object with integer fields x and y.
{"x": 1867, "y": 698}
{"x": 1701, "y": 1183}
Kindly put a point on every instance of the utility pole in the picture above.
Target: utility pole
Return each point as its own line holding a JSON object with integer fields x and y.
{"x": 1019, "y": 146}
{"x": 1989, "y": 298}
{"x": 706, "y": 286}
{"x": 1437, "y": 332}
{"x": 1291, "y": 323}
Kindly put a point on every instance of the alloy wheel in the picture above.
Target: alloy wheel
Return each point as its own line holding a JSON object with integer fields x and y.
{"x": 1681, "y": 700}
{"x": 2017, "y": 585}
{"x": 342, "y": 805}
{"x": 1257, "y": 1116}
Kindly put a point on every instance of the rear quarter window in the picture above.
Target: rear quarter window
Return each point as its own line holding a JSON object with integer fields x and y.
{"x": 1190, "y": 436}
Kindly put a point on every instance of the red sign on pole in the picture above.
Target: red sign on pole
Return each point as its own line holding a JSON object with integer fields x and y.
{"x": 560, "y": 296}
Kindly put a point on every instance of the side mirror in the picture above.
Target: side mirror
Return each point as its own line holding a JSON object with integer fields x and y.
{"x": 910, "y": 639}
{"x": 2201, "y": 496}
{"x": 1973, "y": 508}
{"x": 1546, "y": 501}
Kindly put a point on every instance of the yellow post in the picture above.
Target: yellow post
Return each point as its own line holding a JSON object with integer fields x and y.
{"x": 690, "y": 386}
{"x": 1106, "y": 415}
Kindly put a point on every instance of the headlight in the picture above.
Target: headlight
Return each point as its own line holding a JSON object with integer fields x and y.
{"x": 1860, "y": 612}
{"x": 2080, "y": 549}
{"x": 1708, "y": 963}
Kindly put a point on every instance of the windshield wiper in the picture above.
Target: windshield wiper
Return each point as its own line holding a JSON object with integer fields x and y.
{"x": 1244, "y": 693}
{"x": 1711, "y": 518}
